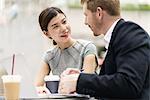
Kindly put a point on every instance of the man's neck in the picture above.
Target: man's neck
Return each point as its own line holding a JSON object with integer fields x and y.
{"x": 109, "y": 22}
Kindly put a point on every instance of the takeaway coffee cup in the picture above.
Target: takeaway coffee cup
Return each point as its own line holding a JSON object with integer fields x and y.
{"x": 11, "y": 85}
{"x": 52, "y": 83}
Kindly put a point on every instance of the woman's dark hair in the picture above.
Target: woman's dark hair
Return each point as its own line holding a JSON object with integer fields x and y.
{"x": 46, "y": 16}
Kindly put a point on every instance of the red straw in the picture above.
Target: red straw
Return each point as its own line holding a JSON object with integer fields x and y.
{"x": 13, "y": 61}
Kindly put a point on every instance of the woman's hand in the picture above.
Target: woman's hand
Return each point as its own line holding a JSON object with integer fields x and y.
{"x": 42, "y": 91}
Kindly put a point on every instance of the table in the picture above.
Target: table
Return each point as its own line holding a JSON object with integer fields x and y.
{"x": 55, "y": 99}
{"x": 37, "y": 98}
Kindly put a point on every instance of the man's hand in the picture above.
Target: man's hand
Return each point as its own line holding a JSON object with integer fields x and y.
{"x": 69, "y": 71}
{"x": 68, "y": 81}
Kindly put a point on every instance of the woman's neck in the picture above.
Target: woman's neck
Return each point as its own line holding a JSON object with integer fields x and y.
{"x": 67, "y": 44}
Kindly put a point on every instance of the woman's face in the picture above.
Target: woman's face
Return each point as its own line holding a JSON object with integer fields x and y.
{"x": 59, "y": 29}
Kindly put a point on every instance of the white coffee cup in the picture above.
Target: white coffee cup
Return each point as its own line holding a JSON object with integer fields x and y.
{"x": 52, "y": 83}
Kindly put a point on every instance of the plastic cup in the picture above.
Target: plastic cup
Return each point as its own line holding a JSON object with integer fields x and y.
{"x": 52, "y": 83}
{"x": 11, "y": 85}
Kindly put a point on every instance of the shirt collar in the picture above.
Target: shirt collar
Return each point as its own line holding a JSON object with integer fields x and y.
{"x": 108, "y": 35}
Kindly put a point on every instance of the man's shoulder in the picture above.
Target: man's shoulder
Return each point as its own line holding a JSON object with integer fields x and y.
{"x": 129, "y": 34}
{"x": 124, "y": 28}
{"x": 122, "y": 24}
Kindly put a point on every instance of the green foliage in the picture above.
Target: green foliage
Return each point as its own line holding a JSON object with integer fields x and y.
{"x": 142, "y": 7}
{"x": 75, "y": 6}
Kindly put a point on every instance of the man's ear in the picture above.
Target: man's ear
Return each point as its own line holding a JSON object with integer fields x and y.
{"x": 99, "y": 12}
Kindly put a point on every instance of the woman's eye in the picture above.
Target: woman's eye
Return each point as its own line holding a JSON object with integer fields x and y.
{"x": 55, "y": 27}
{"x": 64, "y": 22}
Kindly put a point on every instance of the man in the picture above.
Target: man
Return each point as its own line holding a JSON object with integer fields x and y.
{"x": 125, "y": 70}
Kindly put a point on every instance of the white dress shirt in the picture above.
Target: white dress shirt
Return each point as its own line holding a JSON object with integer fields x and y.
{"x": 108, "y": 35}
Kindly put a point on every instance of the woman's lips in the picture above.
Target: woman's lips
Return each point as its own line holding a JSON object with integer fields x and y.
{"x": 64, "y": 36}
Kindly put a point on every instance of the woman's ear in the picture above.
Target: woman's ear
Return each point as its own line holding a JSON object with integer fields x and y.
{"x": 45, "y": 33}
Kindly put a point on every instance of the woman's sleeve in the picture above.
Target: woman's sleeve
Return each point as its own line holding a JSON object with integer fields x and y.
{"x": 90, "y": 48}
{"x": 45, "y": 57}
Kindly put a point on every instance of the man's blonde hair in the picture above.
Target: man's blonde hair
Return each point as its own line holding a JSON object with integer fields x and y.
{"x": 112, "y": 7}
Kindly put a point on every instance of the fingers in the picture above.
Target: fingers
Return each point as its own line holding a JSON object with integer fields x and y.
{"x": 64, "y": 86}
{"x": 72, "y": 71}
{"x": 68, "y": 83}
{"x": 42, "y": 90}
{"x": 69, "y": 71}
{"x": 47, "y": 91}
{"x": 63, "y": 89}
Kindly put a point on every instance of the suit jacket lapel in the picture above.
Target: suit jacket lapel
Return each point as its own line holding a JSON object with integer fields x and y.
{"x": 109, "y": 56}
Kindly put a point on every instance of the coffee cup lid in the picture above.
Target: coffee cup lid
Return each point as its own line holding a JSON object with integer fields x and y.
{"x": 11, "y": 78}
{"x": 51, "y": 78}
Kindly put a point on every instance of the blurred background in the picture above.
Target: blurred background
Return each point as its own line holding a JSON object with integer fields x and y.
{"x": 20, "y": 32}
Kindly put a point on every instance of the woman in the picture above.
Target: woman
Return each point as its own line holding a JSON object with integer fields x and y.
{"x": 67, "y": 52}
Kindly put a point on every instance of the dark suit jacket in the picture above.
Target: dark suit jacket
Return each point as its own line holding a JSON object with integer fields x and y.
{"x": 125, "y": 71}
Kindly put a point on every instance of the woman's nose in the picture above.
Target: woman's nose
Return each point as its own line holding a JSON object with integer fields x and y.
{"x": 63, "y": 28}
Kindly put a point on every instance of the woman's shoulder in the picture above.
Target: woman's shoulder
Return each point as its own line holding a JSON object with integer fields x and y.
{"x": 50, "y": 53}
{"x": 84, "y": 42}
{"x": 52, "y": 50}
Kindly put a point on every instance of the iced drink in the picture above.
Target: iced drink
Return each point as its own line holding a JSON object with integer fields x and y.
{"x": 11, "y": 86}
